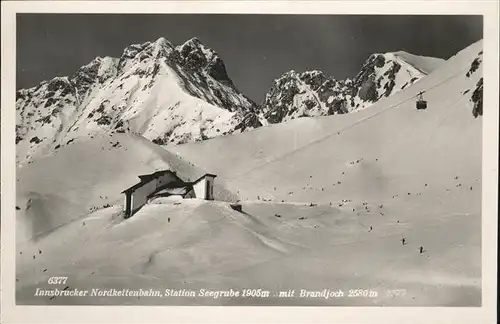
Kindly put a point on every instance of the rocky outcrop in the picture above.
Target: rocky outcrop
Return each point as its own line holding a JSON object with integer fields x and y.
{"x": 477, "y": 99}
{"x": 477, "y": 94}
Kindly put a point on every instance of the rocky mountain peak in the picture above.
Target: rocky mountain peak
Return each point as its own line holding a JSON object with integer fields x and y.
{"x": 160, "y": 48}
{"x": 195, "y": 56}
{"x": 167, "y": 94}
{"x": 301, "y": 94}
{"x": 157, "y": 50}
{"x": 377, "y": 77}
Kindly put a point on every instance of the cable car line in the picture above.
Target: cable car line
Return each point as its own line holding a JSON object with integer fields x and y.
{"x": 346, "y": 128}
{"x": 447, "y": 115}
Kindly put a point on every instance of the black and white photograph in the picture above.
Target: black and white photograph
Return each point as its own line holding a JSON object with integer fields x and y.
{"x": 217, "y": 159}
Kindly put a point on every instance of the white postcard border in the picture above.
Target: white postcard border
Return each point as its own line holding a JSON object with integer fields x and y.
{"x": 231, "y": 314}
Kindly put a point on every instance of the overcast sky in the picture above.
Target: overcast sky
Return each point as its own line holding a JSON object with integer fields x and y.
{"x": 255, "y": 48}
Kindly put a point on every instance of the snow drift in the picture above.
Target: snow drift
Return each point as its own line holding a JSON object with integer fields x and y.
{"x": 90, "y": 175}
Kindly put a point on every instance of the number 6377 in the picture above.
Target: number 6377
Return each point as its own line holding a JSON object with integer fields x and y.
{"x": 57, "y": 280}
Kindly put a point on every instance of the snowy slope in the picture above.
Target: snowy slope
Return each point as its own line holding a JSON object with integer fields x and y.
{"x": 272, "y": 146}
{"x": 376, "y": 176}
{"x": 312, "y": 94}
{"x": 426, "y": 64}
{"x": 167, "y": 94}
{"x": 209, "y": 246}
{"x": 416, "y": 171}
{"x": 88, "y": 175}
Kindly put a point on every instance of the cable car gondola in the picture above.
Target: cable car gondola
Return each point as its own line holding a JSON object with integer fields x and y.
{"x": 421, "y": 103}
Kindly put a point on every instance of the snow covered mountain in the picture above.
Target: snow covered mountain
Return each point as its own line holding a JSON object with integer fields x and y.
{"x": 168, "y": 94}
{"x": 312, "y": 93}
{"x": 178, "y": 94}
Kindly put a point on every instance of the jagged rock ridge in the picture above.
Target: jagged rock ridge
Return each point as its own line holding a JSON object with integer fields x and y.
{"x": 312, "y": 93}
